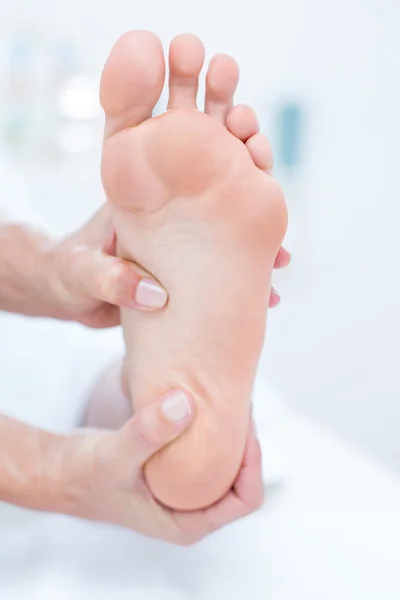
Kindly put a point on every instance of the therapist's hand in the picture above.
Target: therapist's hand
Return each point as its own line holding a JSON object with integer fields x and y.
{"x": 90, "y": 284}
{"x": 103, "y": 476}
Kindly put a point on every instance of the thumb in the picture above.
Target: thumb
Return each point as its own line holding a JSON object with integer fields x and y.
{"x": 97, "y": 275}
{"x": 155, "y": 426}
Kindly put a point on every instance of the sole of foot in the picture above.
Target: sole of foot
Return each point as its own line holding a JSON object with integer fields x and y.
{"x": 193, "y": 206}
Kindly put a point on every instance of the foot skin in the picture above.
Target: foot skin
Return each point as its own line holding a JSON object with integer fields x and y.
{"x": 193, "y": 206}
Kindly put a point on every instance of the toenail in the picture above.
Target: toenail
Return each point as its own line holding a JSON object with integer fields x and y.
{"x": 176, "y": 407}
{"x": 150, "y": 294}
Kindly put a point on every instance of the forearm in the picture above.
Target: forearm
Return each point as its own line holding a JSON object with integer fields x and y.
{"x": 30, "y": 469}
{"x": 25, "y": 271}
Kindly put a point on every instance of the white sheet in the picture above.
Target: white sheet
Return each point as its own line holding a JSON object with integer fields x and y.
{"x": 333, "y": 533}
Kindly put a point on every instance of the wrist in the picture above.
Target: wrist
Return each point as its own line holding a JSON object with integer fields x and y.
{"x": 28, "y": 476}
{"x": 52, "y": 267}
{"x": 46, "y": 490}
{"x": 59, "y": 479}
{"x": 25, "y": 262}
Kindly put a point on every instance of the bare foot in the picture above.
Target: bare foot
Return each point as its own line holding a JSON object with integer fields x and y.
{"x": 192, "y": 208}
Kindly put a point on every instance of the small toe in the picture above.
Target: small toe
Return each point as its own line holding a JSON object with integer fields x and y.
{"x": 274, "y": 299}
{"x": 132, "y": 80}
{"x": 261, "y": 152}
{"x": 283, "y": 259}
{"x": 242, "y": 122}
{"x": 221, "y": 83}
{"x": 186, "y": 59}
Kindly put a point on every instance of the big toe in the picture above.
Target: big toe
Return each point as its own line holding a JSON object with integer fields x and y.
{"x": 132, "y": 80}
{"x": 186, "y": 59}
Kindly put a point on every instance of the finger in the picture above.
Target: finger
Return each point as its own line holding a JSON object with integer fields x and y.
{"x": 283, "y": 259}
{"x": 247, "y": 494}
{"x": 249, "y": 487}
{"x": 97, "y": 275}
{"x": 274, "y": 298}
{"x": 196, "y": 525}
{"x": 104, "y": 317}
{"x": 154, "y": 427}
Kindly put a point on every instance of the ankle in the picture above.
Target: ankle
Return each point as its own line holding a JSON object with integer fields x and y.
{"x": 108, "y": 405}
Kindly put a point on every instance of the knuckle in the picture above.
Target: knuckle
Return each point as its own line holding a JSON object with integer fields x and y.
{"x": 117, "y": 272}
{"x": 71, "y": 264}
{"x": 147, "y": 435}
{"x": 115, "y": 282}
{"x": 66, "y": 267}
{"x": 72, "y": 257}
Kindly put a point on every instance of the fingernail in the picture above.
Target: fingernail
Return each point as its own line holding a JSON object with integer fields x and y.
{"x": 176, "y": 407}
{"x": 150, "y": 294}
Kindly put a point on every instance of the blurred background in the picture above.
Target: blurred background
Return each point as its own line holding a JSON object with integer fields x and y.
{"x": 324, "y": 80}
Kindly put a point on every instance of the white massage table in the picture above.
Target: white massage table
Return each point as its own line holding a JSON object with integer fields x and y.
{"x": 329, "y": 530}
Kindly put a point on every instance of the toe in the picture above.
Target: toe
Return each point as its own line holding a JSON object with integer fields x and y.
{"x": 242, "y": 122}
{"x": 261, "y": 152}
{"x": 132, "y": 80}
{"x": 221, "y": 83}
{"x": 186, "y": 58}
{"x": 274, "y": 299}
{"x": 283, "y": 259}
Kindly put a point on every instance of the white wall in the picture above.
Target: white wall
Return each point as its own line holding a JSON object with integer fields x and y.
{"x": 343, "y": 347}
{"x": 334, "y": 343}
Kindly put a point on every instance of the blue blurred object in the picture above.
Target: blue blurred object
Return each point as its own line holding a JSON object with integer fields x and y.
{"x": 289, "y": 125}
